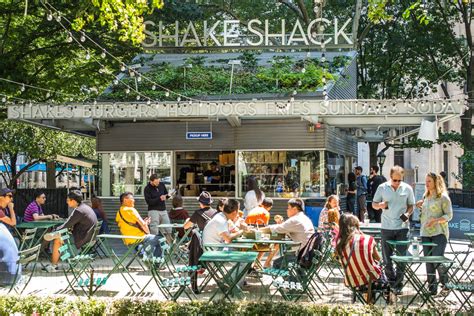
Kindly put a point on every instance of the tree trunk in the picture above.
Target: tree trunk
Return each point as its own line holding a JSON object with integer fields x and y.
{"x": 373, "y": 153}
{"x": 13, "y": 182}
{"x": 51, "y": 174}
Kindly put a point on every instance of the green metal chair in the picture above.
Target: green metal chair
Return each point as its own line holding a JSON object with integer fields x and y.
{"x": 25, "y": 257}
{"x": 462, "y": 285}
{"x": 79, "y": 272}
{"x": 27, "y": 239}
{"x": 177, "y": 283}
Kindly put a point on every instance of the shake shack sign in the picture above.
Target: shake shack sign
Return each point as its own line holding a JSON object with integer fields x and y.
{"x": 254, "y": 33}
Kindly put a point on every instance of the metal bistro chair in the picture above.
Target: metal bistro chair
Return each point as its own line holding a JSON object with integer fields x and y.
{"x": 178, "y": 283}
{"x": 79, "y": 273}
{"x": 27, "y": 239}
{"x": 25, "y": 257}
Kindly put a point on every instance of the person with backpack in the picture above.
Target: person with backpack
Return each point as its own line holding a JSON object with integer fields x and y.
{"x": 361, "y": 194}
{"x": 204, "y": 214}
{"x": 298, "y": 226}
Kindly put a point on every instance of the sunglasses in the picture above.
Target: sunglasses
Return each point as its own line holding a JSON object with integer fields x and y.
{"x": 396, "y": 180}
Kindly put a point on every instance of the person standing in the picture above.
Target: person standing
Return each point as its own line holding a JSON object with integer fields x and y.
{"x": 396, "y": 200}
{"x": 372, "y": 184}
{"x": 155, "y": 196}
{"x": 351, "y": 193}
{"x": 436, "y": 212}
{"x": 361, "y": 194}
{"x": 254, "y": 196}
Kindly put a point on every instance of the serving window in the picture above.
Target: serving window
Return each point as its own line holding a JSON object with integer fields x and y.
{"x": 283, "y": 174}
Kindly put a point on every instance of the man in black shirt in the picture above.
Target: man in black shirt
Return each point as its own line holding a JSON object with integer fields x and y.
{"x": 213, "y": 175}
{"x": 204, "y": 214}
{"x": 372, "y": 184}
{"x": 155, "y": 196}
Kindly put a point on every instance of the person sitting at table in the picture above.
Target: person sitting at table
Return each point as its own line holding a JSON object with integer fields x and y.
{"x": 220, "y": 205}
{"x": 217, "y": 230}
{"x": 34, "y": 210}
{"x": 81, "y": 221}
{"x": 333, "y": 224}
{"x": 7, "y": 212}
{"x": 98, "y": 209}
{"x": 332, "y": 203}
{"x": 8, "y": 254}
{"x": 358, "y": 255}
{"x": 298, "y": 226}
{"x": 204, "y": 214}
{"x": 131, "y": 223}
{"x": 178, "y": 214}
{"x": 436, "y": 212}
{"x": 258, "y": 216}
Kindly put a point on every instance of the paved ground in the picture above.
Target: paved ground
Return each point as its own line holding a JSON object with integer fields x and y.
{"x": 334, "y": 291}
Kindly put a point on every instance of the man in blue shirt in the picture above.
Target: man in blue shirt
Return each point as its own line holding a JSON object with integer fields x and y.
{"x": 396, "y": 200}
{"x": 361, "y": 186}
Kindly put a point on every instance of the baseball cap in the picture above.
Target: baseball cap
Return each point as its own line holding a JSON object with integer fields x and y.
{"x": 5, "y": 191}
{"x": 205, "y": 198}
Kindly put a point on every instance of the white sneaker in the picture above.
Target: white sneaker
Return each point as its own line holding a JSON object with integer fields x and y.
{"x": 51, "y": 236}
{"x": 51, "y": 268}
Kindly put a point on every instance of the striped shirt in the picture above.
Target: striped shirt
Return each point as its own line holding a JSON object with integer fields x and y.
{"x": 362, "y": 265}
{"x": 32, "y": 208}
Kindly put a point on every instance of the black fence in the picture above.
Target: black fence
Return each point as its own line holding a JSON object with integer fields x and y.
{"x": 462, "y": 198}
{"x": 55, "y": 201}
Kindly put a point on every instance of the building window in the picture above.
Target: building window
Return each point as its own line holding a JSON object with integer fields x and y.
{"x": 446, "y": 162}
{"x": 398, "y": 158}
{"x": 130, "y": 171}
{"x": 284, "y": 174}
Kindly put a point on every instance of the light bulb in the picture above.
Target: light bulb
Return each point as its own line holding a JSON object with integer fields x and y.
{"x": 178, "y": 99}
{"x": 69, "y": 38}
{"x": 292, "y": 99}
{"x": 300, "y": 82}
{"x": 308, "y": 54}
{"x": 4, "y": 99}
{"x": 48, "y": 94}
{"x": 323, "y": 79}
{"x": 103, "y": 54}
{"x": 88, "y": 56}
{"x": 167, "y": 93}
{"x": 127, "y": 91}
{"x": 294, "y": 92}
{"x": 303, "y": 70}
{"x": 58, "y": 18}
{"x": 83, "y": 38}
{"x": 116, "y": 81}
{"x": 148, "y": 102}
{"x": 138, "y": 97}
{"x": 153, "y": 87}
{"x": 22, "y": 88}
{"x": 95, "y": 102}
{"x": 49, "y": 16}
{"x": 190, "y": 102}
{"x": 139, "y": 78}
{"x": 122, "y": 68}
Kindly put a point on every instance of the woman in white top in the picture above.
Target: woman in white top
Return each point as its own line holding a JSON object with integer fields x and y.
{"x": 254, "y": 196}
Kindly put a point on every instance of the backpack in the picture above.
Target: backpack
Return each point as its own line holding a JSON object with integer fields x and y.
{"x": 306, "y": 253}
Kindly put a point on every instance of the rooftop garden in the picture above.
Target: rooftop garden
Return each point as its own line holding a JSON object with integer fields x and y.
{"x": 283, "y": 75}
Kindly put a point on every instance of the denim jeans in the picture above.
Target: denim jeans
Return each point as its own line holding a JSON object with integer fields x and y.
{"x": 152, "y": 241}
{"x": 394, "y": 277}
{"x": 431, "y": 268}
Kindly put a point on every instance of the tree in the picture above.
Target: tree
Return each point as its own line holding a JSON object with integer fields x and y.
{"x": 37, "y": 145}
{"x": 34, "y": 51}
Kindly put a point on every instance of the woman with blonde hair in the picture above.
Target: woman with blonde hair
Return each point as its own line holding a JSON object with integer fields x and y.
{"x": 332, "y": 203}
{"x": 436, "y": 212}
